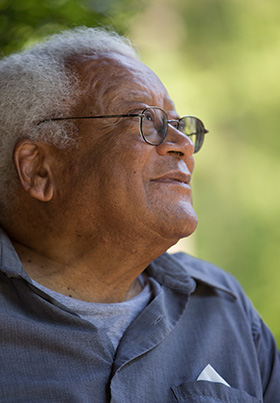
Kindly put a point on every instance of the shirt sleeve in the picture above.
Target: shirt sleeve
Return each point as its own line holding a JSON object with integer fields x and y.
{"x": 267, "y": 353}
{"x": 269, "y": 359}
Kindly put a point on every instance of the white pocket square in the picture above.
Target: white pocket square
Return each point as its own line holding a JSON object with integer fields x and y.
{"x": 210, "y": 375}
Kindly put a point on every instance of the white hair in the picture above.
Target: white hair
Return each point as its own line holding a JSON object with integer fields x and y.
{"x": 36, "y": 85}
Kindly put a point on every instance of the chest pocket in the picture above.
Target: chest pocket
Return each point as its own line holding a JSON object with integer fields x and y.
{"x": 210, "y": 392}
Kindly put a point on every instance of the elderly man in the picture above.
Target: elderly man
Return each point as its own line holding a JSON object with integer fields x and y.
{"x": 95, "y": 187}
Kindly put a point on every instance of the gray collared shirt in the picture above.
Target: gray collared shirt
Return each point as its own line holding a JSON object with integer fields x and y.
{"x": 199, "y": 318}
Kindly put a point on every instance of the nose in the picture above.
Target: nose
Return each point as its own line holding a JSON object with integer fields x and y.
{"x": 176, "y": 143}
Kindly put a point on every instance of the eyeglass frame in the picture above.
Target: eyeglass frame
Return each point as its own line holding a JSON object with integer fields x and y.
{"x": 141, "y": 116}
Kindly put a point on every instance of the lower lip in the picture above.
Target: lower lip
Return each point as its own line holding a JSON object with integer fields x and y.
{"x": 173, "y": 182}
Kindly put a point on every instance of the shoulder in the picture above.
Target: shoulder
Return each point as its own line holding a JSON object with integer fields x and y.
{"x": 208, "y": 273}
{"x": 228, "y": 301}
{"x": 180, "y": 265}
{"x": 183, "y": 268}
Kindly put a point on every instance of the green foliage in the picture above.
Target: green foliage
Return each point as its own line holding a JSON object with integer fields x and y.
{"x": 24, "y": 22}
{"x": 237, "y": 56}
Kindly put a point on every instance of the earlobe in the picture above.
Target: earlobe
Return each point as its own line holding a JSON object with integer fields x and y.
{"x": 33, "y": 169}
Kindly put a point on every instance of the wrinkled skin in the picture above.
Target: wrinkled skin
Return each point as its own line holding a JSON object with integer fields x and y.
{"x": 115, "y": 202}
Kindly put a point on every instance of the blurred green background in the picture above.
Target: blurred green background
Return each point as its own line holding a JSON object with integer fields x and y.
{"x": 220, "y": 60}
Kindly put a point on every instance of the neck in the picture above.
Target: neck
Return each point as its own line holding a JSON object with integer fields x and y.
{"x": 106, "y": 273}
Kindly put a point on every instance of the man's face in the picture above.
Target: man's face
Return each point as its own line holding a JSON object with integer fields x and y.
{"x": 117, "y": 185}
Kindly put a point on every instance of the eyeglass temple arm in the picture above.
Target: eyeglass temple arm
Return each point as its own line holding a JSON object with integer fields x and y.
{"x": 91, "y": 117}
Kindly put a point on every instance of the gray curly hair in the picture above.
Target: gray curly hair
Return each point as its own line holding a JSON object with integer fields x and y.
{"x": 36, "y": 84}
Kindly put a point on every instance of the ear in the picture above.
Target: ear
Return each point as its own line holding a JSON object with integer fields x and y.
{"x": 32, "y": 163}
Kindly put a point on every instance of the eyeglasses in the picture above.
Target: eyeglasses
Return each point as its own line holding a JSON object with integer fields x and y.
{"x": 153, "y": 125}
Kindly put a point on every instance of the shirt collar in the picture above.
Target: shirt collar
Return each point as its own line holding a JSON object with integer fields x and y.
{"x": 9, "y": 260}
{"x": 182, "y": 272}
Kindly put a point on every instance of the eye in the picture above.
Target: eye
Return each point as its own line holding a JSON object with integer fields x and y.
{"x": 181, "y": 126}
{"x": 173, "y": 123}
{"x": 149, "y": 116}
{"x": 178, "y": 125}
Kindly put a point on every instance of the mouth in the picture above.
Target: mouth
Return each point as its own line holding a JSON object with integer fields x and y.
{"x": 175, "y": 178}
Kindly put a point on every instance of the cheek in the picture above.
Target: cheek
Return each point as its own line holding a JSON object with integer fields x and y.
{"x": 114, "y": 164}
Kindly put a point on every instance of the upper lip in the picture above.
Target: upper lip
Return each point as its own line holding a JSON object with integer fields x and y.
{"x": 178, "y": 176}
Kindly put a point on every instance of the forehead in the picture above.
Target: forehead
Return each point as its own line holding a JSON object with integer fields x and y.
{"x": 112, "y": 81}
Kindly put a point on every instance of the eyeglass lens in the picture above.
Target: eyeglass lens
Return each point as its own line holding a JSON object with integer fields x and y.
{"x": 154, "y": 126}
{"x": 194, "y": 129}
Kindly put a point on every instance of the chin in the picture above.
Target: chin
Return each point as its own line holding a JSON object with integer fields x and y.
{"x": 179, "y": 226}
{"x": 189, "y": 227}
{"x": 186, "y": 220}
